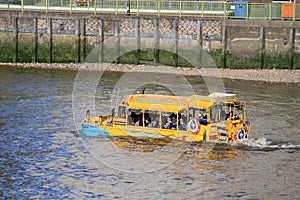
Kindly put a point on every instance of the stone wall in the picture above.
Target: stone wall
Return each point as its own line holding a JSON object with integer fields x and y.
{"x": 186, "y": 27}
{"x": 239, "y": 38}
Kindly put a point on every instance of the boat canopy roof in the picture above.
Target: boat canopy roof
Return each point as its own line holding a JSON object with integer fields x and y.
{"x": 174, "y": 103}
{"x": 214, "y": 97}
{"x": 205, "y": 102}
{"x": 157, "y": 102}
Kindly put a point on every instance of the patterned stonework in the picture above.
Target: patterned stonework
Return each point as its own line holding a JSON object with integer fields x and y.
{"x": 187, "y": 27}
{"x": 146, "y": 26}
{"x": 42, "y": 23}
{"x": 67, "y": 24}
{"x": 165, "y": 26}
{"x": 5, "y": 24}
{"x": 92, "y": 24}
{"x": 212, "y": 27}
{"x": 127, "y": 25}
{"x": 25, "y": 24}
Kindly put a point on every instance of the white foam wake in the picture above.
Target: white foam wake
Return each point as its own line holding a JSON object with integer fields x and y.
{"x": 264, "y": 143}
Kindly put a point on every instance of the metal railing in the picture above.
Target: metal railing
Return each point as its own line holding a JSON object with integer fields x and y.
{"x": 177, "y": 8}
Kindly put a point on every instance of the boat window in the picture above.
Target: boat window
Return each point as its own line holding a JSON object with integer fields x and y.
{"x": 225, "y": 110}
{"x": 169, "y": 120}
{"x": 152, "y": 119}
{"x": 122, "y": 112}
{"x": 197, "y": 112}
{"x": 216, "y": 113}
{"x": 239, "y": 109}
{"x": 135, "y": 117}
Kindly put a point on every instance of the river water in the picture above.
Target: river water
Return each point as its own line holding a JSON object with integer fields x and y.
{"x": 44, "y": 156}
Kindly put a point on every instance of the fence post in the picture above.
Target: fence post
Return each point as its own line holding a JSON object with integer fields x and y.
{"x": 77, "y": 40}
{"x": 202, "y": 10}
{"x": 158, "y": 8}
{"x": 101, "y": 34}
{"x": 294, "y": 11}
{"x": 270, "y": 11}
{"x": 117, "y": 34}
{"x": 83, "y": 34}
{"x": 199, "y": 32}
{"x": 137, "y": 7}
{"x": 95, "y": 6}
{"x": 47, "y": 5}
{"x": 200, "y": 40}
{"x": 292, "y": 47}
{"x": 224, "y": 45}
{"x": 138, "y": 40}
{"x": 71, "y": 6}
{"x": 35, "y": 40}
{"x": 49, "y": 33}
{"x": 156, "y": 41}
{"x": 247, "y": 11}
{"x": 180, "y": 8}
{"x": 225, "y": 8}
{"x": 262, "y": 38}
{"x": 175, "y": 30}
{"x": 22, "y": 5}
{"x": 117, "y": 5}
{"x": 15, "y": 38}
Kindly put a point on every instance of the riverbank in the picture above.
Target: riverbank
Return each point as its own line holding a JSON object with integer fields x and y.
{"x": 278, "y": 76}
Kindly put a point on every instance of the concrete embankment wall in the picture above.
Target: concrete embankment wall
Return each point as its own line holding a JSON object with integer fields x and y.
{"x": 61, "y": 37}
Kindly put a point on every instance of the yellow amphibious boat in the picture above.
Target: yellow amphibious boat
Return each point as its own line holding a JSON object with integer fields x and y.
{"x": 216, "y": 117}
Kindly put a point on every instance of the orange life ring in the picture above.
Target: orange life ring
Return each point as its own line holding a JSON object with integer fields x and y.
{"x": 194, "y": 126}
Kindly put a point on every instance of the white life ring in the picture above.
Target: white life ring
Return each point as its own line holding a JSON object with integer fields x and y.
{"x": 194, "y": 126}
{"x": 240, "y": 134}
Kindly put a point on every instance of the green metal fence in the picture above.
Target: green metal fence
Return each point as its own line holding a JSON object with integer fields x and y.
{"x": 160, "y": 8}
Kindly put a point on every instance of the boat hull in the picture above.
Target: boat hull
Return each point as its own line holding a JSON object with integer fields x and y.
{"x": 93, "y": 130}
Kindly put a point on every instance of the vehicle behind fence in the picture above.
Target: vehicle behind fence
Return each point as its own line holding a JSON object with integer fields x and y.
{"x": 202, "y": 9}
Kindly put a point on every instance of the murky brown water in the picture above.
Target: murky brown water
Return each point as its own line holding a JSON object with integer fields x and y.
{"x": 43, "y": 156}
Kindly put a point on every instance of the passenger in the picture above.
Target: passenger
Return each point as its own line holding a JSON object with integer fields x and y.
{"x": 87, "y": 116}
{"x": 203, "y": 119}
{"x": 182, "y": 125}
{"x": 155, "y": 123}
{"x": 236, "y": 117}
{"x": 173, "y": 125}
{"x": 133, "y": 118}
{"x": 230, "y": 117}
{"x": 147, "y": 121}
{"x": 173, "y": 121}
{"x": 138, "y": 123}
{"x": 168, "y": 123}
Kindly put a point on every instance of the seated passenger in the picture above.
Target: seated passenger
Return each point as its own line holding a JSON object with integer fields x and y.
{"x": 138, "y": 123}
{"x": 155, "y": 123}
{"x": 168, "y": 123}
{"x": 182, "y": 125}
{"x": 173, "y": 125}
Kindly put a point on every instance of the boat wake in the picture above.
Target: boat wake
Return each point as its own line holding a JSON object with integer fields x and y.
{"x": 263, "y": 143}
